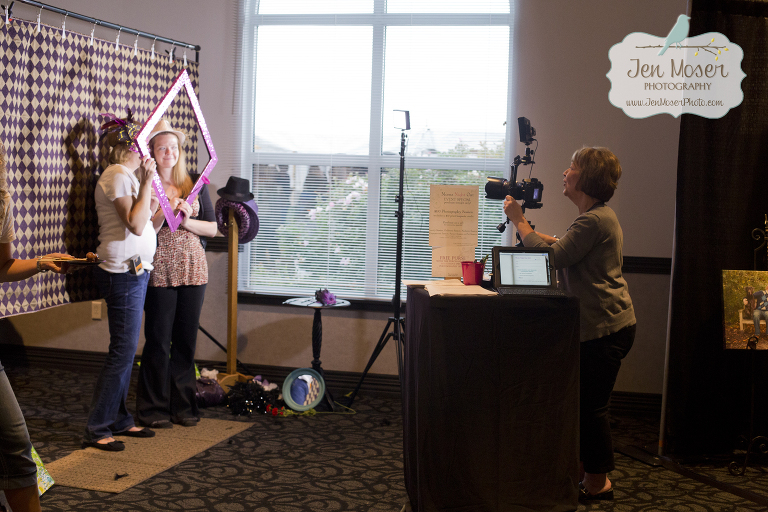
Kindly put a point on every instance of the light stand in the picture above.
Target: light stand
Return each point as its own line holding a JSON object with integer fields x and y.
{"x": 396, "y": 321}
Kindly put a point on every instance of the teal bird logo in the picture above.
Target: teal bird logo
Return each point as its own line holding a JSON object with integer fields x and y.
{"x": 677, "y": 34}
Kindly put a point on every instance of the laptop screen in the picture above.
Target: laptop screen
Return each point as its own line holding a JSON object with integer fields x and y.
{"x": 523, "y": 267}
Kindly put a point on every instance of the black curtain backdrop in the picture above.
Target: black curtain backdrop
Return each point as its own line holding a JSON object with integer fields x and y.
{"x": 722, "y": 195}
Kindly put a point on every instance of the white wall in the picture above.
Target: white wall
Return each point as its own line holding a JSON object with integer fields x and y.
{"x": 562, "y": 50}
{"x": 562, "y": 58}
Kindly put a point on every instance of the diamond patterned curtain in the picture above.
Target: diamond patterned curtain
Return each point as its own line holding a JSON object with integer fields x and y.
{"x": 52, "y": 90}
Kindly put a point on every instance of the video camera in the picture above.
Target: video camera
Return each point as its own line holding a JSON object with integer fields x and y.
{"x": 529, "y": 190}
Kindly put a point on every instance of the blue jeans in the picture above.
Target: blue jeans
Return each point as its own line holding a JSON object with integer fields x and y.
{"x": 756, "y": 316}
{"x": 124, "y": 294}
{"x": 17, "y": 469}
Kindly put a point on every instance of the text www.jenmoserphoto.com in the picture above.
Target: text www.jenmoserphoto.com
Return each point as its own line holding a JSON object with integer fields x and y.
{"x": 679, "y": 102}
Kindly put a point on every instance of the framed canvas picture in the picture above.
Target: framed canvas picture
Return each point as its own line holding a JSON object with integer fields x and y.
{"x": 745, "y": 308}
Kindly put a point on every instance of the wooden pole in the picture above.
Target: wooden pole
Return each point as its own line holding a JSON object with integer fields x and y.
{"x": 232, "y": 299}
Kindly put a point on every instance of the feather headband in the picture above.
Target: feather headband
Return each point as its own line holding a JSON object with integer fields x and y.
{"x": 120, "y": 131}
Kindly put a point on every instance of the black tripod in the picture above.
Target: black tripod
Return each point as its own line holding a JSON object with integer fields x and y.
{"x": 396, "y": 322}
{"x": 239, "y": 364}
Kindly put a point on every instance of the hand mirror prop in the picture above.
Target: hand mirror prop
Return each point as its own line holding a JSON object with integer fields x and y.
{"x": 182, "y": 81}
{"x": 303, "y": 389}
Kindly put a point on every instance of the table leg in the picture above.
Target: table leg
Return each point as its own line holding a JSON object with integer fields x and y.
{"x": 317, "y": 341}
{"x": 317, "y": 344}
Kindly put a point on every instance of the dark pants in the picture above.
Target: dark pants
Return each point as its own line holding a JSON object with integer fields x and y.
{"x": 600, "y": 363}
{"x": 166, "y": 387}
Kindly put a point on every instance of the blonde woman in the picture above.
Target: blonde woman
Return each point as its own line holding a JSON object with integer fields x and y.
{"x": 166, "y": 389}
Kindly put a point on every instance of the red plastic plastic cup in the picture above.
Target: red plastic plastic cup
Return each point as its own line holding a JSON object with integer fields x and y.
{"x": 472, "y": 272}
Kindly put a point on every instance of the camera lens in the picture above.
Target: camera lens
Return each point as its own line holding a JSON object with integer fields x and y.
{"x": 496, "y": 188}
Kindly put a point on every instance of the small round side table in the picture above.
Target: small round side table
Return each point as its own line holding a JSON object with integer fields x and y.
{"x": 317, "y": 332}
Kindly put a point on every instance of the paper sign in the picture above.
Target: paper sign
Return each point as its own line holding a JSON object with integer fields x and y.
{"x": 453, "y": 215}
{"x": 455, "y": 287}
{"x": 446, "y": 261}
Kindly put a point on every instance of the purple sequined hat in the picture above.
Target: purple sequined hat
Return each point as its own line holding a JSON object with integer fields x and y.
{"x": 246, "y": 216}
{"x": 253, "y": 213}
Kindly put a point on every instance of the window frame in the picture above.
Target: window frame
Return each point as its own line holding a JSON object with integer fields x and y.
{"x": 374, "y": 161}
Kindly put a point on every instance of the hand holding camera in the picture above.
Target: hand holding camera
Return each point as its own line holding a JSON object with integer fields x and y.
{"x": 513, "y": 210}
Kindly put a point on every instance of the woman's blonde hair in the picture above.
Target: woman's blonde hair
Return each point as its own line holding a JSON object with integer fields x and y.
{"x": 179, "y": 175}
{"x": 599, "y": 172}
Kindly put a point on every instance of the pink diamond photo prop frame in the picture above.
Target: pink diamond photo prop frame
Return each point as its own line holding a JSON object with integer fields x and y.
{"x": 182, "y": 81}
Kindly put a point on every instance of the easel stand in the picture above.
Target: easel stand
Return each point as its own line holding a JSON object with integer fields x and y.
{"x": 232, "y": 376}
{"x": 760, "y": 441}
{"x": 395, "y": 321}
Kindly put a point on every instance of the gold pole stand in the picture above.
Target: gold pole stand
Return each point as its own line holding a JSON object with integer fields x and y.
{"x": 232, "y": 376}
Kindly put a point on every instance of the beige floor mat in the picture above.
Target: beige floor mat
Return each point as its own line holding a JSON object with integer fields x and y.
{"x": 142, "y": 458}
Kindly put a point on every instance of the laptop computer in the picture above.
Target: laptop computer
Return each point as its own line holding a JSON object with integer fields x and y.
{"x": 525, "y": 271}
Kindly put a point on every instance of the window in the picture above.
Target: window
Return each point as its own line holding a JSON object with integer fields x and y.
{"x": 321, "y": 79}
{"x": 454, "y": 80}
{"x": 313, "y": 89}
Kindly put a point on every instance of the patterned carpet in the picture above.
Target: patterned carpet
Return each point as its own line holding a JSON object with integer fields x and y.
{"x": 339, "y": 462}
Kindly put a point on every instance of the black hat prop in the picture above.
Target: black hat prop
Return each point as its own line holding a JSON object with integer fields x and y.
{"x": 237, "y": 189}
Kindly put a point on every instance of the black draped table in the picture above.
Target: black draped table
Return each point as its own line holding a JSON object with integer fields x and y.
{"x": 490, "y": 403}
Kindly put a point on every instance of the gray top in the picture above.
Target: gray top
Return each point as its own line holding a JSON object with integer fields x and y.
{"x": 588, "y": 261}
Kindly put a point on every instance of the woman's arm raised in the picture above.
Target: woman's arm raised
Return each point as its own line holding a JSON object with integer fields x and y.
{"x": 135, "y": 212}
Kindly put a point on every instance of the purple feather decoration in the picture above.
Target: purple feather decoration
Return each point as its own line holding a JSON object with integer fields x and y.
{"x": 325, "y": 297}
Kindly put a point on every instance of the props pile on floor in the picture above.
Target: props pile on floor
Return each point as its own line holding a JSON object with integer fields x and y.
{"x": 255, "y": 396}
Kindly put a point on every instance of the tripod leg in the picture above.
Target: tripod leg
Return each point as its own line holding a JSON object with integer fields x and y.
{"x": 400, "y": 352}
{"x": 222, "y": 347}
{"x": 328, "y": 398}
{"x": 379, "y": 346}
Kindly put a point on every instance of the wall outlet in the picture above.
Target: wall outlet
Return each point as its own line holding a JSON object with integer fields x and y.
{"x": 96, "y": 310}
